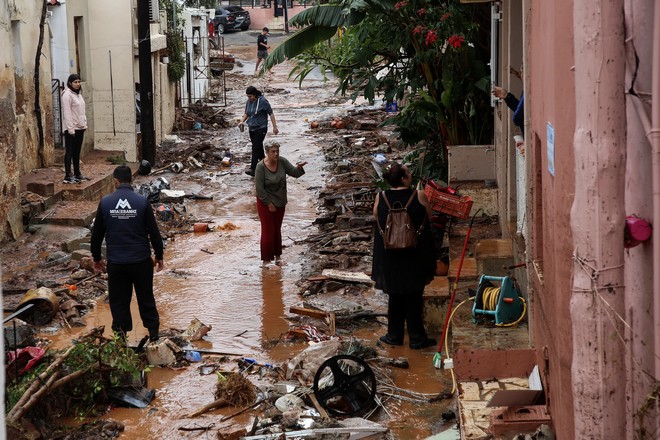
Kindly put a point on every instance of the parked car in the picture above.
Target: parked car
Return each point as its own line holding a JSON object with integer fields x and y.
{"x": 231, "y": 18}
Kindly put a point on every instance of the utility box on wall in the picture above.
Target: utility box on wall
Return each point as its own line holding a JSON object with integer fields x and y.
{"x": 471, "y": 162}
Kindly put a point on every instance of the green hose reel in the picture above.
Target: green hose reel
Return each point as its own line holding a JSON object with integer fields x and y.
{"x": 498, "y": 297}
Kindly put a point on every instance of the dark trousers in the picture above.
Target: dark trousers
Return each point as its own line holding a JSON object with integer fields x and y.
{"x": 122, "y": 278}
{"x": 257, "y": 138}
{"x": 402, "y": 310}
{"x": 271, "y": 231}
{"x": 72, "y": 145}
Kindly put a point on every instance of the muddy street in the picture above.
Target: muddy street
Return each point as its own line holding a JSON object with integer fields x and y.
{"x": 217, "y": 278}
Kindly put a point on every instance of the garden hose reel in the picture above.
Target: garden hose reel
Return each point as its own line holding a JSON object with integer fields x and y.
{"x": 499, "y": 298}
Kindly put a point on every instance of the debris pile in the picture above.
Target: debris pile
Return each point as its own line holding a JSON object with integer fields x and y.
{"x": 203, "y": 115}
{"x": 70, "y": 382}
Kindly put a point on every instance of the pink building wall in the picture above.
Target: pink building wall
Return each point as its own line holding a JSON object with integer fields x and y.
{"x": 260, "y": 17}
{"x": 550, "y": 99}
{"x": 595, "y": 305}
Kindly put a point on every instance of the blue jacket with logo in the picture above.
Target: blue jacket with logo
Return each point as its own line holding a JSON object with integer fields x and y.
{"x": 128, "y": 224}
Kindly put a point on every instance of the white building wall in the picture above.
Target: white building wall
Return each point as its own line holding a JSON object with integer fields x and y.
{"x": 59, "y": 43}
{"x": 111, "y": 46}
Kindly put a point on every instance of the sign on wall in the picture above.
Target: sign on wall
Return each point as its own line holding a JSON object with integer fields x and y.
{"x": 551, "y": 148}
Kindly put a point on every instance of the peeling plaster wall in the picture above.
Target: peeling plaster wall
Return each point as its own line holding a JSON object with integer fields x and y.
{"x": 597, "y": 220}
{"x": 550, "y": 98}
{"x": 19, "y": 139}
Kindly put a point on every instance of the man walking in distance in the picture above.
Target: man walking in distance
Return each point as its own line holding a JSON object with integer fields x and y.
{"x": 128, "y": 224}
{"x": 262, "y": 48}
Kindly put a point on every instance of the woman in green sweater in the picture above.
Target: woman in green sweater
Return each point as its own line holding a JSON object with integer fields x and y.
{"x": 270, "y": 179}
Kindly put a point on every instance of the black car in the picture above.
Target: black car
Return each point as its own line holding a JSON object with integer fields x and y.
{"x": 231, "y": 18}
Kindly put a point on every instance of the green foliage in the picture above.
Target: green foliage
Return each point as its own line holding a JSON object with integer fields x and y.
{"x": 176, "y": 48}
{"x": 116, "y": 160}
{"x": 105, "y": 364}
{"x": 176, "y": 52}
{"x": 431, "y": 57}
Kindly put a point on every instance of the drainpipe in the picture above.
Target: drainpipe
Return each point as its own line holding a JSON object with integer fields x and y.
{"x": 494, "y": 44}
{"x": 655, "y": 146}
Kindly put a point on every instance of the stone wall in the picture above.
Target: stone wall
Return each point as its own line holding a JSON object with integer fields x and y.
{"x": 20, "y": 147}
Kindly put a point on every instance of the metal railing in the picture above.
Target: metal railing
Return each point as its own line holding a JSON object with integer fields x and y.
{"x": 56, "y": 91}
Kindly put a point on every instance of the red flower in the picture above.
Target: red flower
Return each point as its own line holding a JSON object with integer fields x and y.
{"x": 431, "y": 37}
{"x": 400, "y": 5}
{"x": 456, "y": 41}
{"x": 421, "y": 12}
{"x": 418, "y": 30}
{"x": 445, "y": 16}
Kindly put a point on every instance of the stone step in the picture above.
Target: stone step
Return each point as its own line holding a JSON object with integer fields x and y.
{"x": 494, "y": 256}
{"x": 468, "y": 270}
{"x": 68, "y": 213}
{"x": 67, "y": 204}
{"x": 438, "y": 288}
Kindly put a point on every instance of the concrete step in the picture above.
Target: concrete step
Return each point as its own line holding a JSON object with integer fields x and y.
{"x": 493, "y": 256}
{"x": 68, "y": 213}
{"x": 438, "y": 288}
{"x": 67, "y": 204}
{"x": 468, "y": 270}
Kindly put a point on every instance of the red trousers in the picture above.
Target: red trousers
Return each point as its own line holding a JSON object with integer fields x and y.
{"x": 271, "y": 231}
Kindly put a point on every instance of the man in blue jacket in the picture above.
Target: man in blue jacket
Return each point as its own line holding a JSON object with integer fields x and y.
{"x": 128, "y": 224}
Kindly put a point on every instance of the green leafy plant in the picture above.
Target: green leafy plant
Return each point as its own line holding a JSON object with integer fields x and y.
{"x": 104, "y": 363}
{"x": 431, "y": 57}
{"x": 176, "y": 48}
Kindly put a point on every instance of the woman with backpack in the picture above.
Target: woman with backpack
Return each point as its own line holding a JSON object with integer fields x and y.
{"x": 402, "y": 266}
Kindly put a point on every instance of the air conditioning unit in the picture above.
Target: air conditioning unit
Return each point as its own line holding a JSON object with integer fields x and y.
{"x": 154, "y": 11}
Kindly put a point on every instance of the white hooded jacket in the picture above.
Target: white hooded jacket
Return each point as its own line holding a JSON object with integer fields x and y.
{"x": 73, "y": 112}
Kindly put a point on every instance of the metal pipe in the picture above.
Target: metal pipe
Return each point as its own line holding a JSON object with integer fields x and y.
{"x": 112, "y": 96}
{"x": 494, "y": 43}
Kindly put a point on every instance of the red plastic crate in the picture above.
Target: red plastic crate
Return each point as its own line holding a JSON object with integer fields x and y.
{"x": 450, "y": 204}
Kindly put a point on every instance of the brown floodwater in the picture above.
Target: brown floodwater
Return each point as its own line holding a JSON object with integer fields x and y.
{"x": 217, "y": 278}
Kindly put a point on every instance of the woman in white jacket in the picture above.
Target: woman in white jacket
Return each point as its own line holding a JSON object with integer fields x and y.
{"x": 74, "y": 125}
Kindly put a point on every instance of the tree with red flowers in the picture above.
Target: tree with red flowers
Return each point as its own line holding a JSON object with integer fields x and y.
{"x": 432, "y": 57}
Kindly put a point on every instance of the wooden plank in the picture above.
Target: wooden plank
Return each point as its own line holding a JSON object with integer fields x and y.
{"x": 320, "y": 314}
{"x": 318, "y": 406}
{"x": 349, "y": 185}
{"x": 317, "y": 278}
{"x": 355, "y": 277}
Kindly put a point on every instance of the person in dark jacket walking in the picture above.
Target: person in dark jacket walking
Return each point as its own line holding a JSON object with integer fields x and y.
{"x": 128, "y": 224}
{"x": 257, "y": 111}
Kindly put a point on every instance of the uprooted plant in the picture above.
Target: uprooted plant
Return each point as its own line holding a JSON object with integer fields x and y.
{"x": 87, "y": 368}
